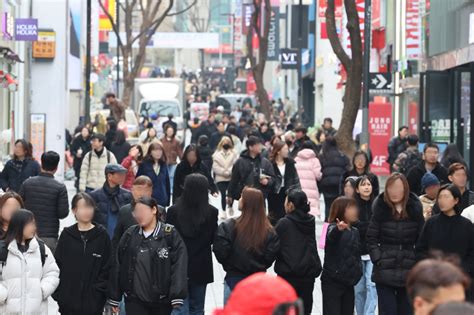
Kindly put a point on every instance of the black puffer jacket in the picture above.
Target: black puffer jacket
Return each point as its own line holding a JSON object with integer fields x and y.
{"x": 184, "y": 169}
{"x": 334, "y": 164}
{"x": 298, "y": 255}
{"x": 238, "y": 261}
{"x": 85, "y": 266}
{"x": 16, "y": 172}
{"x": 391, "y": 242}
{"x": 342, "y": 262}
{"x": 365, "y": 214}
{"x": 246, "y": 172}
{"x": 48, "y": 200}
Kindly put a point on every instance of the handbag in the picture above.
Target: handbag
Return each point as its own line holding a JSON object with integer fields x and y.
{"x": 322, "y": 238}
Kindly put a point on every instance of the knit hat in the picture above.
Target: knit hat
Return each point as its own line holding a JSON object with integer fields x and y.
{"x": 429, "y": 179}
{"x": 258, "y": 294}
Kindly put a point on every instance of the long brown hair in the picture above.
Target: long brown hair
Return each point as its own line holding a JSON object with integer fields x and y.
{"x": 252, "y": 227}
{"x": 154, "y": 146}
{"x": 4, "y": 198}
{"x": 392, "y": 179}
{"x": 276, "y": 148}
{"x": 338, "y": 208}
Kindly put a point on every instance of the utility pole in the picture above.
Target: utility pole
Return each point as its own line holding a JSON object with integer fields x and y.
{"x": 87, "y": 110}
{"x": 300, "y": 48}
{"x": 117, "y": 15}
{"x": 366, "y": 72}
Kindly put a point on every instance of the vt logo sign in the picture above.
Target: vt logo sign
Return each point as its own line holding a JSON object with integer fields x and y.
{"x": 289, "y": 58}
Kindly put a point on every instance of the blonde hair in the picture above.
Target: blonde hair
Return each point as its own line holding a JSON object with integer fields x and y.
{"x": 223, "y": 141}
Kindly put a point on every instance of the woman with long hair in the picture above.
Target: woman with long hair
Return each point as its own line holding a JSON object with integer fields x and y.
{"x": 83, "y": 255}
{"x": 154, "y": 166}
{"x": 191, "y": 163}
{"x": 349, "y": 187}
{"x": 150, "y": 267}
{"x": 29, "y": 274}
{"x": 286, "y": 178}
{"x": 393, "y": 231}
{"x": 21, "y": 167}
{"x": 196, "y": 221}
{"x": 247, "y": 244}
{"x": 151, "y": 137}
{"x": 10, "y": 202}
{"x": 365, "y": 292}
{"x": 120, "y": 147}
{"x": 223, "y": 160}
{"x": 173, "y": 150}
{"x": 361, "y": 167}
{"x": 131, "y": 163}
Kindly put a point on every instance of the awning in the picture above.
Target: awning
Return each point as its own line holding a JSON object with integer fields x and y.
{"x": 8, "y": 55}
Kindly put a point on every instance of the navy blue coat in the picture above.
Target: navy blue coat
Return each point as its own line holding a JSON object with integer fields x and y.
{"x": 161, "y": 182}
{"x": 11, "y": 177}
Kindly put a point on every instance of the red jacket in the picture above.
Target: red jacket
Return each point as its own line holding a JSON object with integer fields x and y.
{"x": 132, "y": 169}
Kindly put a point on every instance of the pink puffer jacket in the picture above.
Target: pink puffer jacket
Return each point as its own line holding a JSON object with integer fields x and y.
{"x": 309, "y": 172}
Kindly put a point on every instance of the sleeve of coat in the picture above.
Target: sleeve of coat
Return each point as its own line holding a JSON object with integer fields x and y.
{"x": 178, "y": 179}
{"x": 212, "y": 183}
{"x": 414, "y": 182}
{"x": 84, "y": 172}
{"x": 271, "y": 249}
{"x": 63, "y": 203}
{"x": 179, "y": 270}
{"x": 470, "y": 260}
{"x": 234, "y": 183}
{"x": 372, "y": 240}
{"x": 113, "y": 159}
{"x": 217, "y": 167}
{"x": 127, "y": 162}
{"x": 168, "y": 186}
{"x": 37, "y": 169}
{"x": 115, "y": 293}
{"x": 4, "y": 179}
{"x": 50, "y": 278}
{"x": 317, "y": 170}
{"x": 268, "y": 170}
{"x": 102, "y": 281}
{"x": 21, "y": 192}
{"x": 422, "y": 245}
{"x": 222, "y": 244}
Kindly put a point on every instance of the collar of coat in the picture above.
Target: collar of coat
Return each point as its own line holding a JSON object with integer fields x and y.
{"x": 32, "y": 247}
{"x": 155, "y": 231}
{"x": 382, "y": 211}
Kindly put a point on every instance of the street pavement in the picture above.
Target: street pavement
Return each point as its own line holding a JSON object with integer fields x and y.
{"x": 215, "y": 290}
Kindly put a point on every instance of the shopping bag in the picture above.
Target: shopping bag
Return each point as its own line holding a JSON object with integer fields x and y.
{"x": 322, "y": 238}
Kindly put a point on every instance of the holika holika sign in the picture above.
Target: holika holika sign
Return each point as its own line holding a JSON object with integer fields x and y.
{"x": 26, "y": 29}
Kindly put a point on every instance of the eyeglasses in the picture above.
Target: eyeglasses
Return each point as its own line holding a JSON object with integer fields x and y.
{"x": 292, "y": 308}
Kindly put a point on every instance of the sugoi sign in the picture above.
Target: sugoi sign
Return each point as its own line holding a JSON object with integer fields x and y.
{"x": 380, "y": 82}
{"x": 289, "y": 59}
{"x": 274, "y": 35}
{"x": 26, "y": 29}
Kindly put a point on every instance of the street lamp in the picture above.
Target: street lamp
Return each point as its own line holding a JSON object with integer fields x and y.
{"x": 87, "y": 107}
{"x": 232, "y": 62}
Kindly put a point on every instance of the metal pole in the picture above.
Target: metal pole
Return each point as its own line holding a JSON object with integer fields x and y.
{"x": 117, "y": 16}
{"x": 232, "y": 64}
{"x": 300, "y": 41}
{"x": 88, "y": 65}
{"x": 366, "y": 72}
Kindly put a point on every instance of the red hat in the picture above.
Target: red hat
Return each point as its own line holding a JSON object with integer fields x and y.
{"x": 258, "y": 294}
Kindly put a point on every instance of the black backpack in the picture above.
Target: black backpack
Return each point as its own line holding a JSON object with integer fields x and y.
{"x": 412, "y": 159}
{"x": 4, "y": 253}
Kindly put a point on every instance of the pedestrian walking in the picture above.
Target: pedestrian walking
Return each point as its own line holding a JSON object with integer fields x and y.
{"x": 334, "y": 165}
{"x": 309, "y": 173}
{"x": 10, "y": 202}
{"x": 205, "y": 151}
{"x": 172, "y": 149}
{"x": 429, "y": 164}
{"x": 393, "y": 231}
{"x": 361, "y": 167}
{"x": 47, "y": 199}
{"x": 452, "y": 155}
{"x": 251, "y": 169}
{"x": 111, "y": 197}
{"x": 150, "y": 269}
{"x": 29, "y": 274}
{"x": 248, "y": 244}
{"x": 349, "y": 187}
{"x": 286, "y": 179}
{"x": 154, "y": 166}
{"x": 217, "y": 135}
{"x": 342, "y": 268}
{"x": 80, "y": 146}
{"x": 196, "y": 221}
{"x": 84, "y": 257}
{"x": 223, "y": 160}
{"x": 297, "y": 260}
{"x": 120, "y": 147}
{"x": 430, "y": 184}
{"x": 151, "y": 137}
{"x": 409, "y": 158}
{"x": 170, "y": 123}
{"x": 365, "y": 291}
{"x": 131, "y": 163}
{"x": 397, "y": 145}
{"x": 21, "y": 167}
{"x": 111, "y": 133}
{"x": 93, "y": 165}
{"x": 190, "y": 164}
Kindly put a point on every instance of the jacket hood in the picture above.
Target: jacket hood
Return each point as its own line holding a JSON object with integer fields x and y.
{"x": 304, "y": 221}
{"x": 73, "y": 230}
{"x": 382, "y": 211}
{"x": 306, "y": 154}
{"x": 246, "y": 154}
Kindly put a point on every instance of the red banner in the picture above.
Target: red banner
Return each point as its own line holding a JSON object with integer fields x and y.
{"x": 380, "y": 131}
{"x": 413, "y": 117}
{"x": 251, "y": 85}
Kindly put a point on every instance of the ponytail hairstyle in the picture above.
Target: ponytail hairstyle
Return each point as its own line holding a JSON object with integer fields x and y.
{"x": 299, "y": 199}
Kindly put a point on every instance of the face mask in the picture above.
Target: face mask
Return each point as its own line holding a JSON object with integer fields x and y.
{"x": 226, "y": 146}
{"x": 289, "y": 143}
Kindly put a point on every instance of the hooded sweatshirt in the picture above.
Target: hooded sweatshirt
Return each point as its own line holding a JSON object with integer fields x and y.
{"x": 298, "y": 255}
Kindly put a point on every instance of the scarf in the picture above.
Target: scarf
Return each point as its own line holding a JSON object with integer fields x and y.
{"x": 112, "y": 194}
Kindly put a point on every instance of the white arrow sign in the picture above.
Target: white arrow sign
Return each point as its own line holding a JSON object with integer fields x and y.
{"x": 382, "y": 82}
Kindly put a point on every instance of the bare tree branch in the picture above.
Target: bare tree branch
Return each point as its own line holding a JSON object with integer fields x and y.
{"x": 184, "y": 10}
{"x": 112, "y": 22}
{"x": 333, "y": 37}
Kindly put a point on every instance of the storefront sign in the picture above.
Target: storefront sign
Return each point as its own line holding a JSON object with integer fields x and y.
{"x": 380, "y": 130}
{"x": 8, "y": 26}
{"x": 380, "y": 82}
{"x": 289, "y": 58}
{"x": 413, "y": 29}
{"x": 199, "y": 110}
{"x": 45, "y": 46}
{"x": 38, "y": 134}
{"x": 322, "y": 6}
{"x": 26, "y": 29}
{"x": 274, "y": 35}
{"x": 104, "y": 21}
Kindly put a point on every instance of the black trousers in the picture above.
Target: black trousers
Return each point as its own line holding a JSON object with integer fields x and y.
{"x": 393, "y": 301}
{"x": 276, "y": 206}
{"x": 304, "y": 290}
{"x": 134, "y": 307}
{"x": 338, "y": 299}
{"x": 222, "y": 186}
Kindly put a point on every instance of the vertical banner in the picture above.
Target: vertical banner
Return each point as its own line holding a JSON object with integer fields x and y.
{"x": 322, "y": 6}
{"x": 274, "y": 35}
{"x": 104, "y": 22}
{"x": 380, "y": 130}
{"x": 38, "y": 134}
{"x": 413, "y": 117}
{"x": 413, "y": 29}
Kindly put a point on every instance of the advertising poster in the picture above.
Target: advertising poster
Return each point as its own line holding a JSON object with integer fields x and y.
{"x": 380, "y": 131}
{"x": 38, "y": 134}
{"x": 199, "y": 110}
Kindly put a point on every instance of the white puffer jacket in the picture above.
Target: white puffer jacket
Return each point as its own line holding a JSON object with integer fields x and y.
{"x": 92, "y": 174}
{"x": 26, "y": 284}
{"x": 223, "y": 161}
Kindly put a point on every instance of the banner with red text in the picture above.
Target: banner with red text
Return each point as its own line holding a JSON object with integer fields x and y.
{"x": 413, "y": 29}
{"x": 380, "y": 131}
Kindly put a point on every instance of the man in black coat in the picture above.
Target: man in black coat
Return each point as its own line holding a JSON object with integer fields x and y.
{"x": 208, "y": 127}
{"x": 111, "y": 197}
{"x": 251, "y": 169}
{"x": 397, "y": 145}
{"x": 171, "y": 123}
{"x": 79, "y": 148}
{"x": 47, "y": 199}
{"x": 429, "y": 164}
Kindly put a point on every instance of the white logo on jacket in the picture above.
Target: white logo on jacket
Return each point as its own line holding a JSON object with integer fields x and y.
{"x": 163, "y": 253}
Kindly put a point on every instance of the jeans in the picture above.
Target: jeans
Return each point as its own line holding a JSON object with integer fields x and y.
{"x": 393, "y": 300}
{"x": 194, "y": 303}
{"x": 365, "y": 292}
{"x": 171, "y": 171}
{"x": 338, "y": 299}
{"x": 229, "y": 285}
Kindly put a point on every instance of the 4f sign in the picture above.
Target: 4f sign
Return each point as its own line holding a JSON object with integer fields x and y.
{"x": 289, "y": 59}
